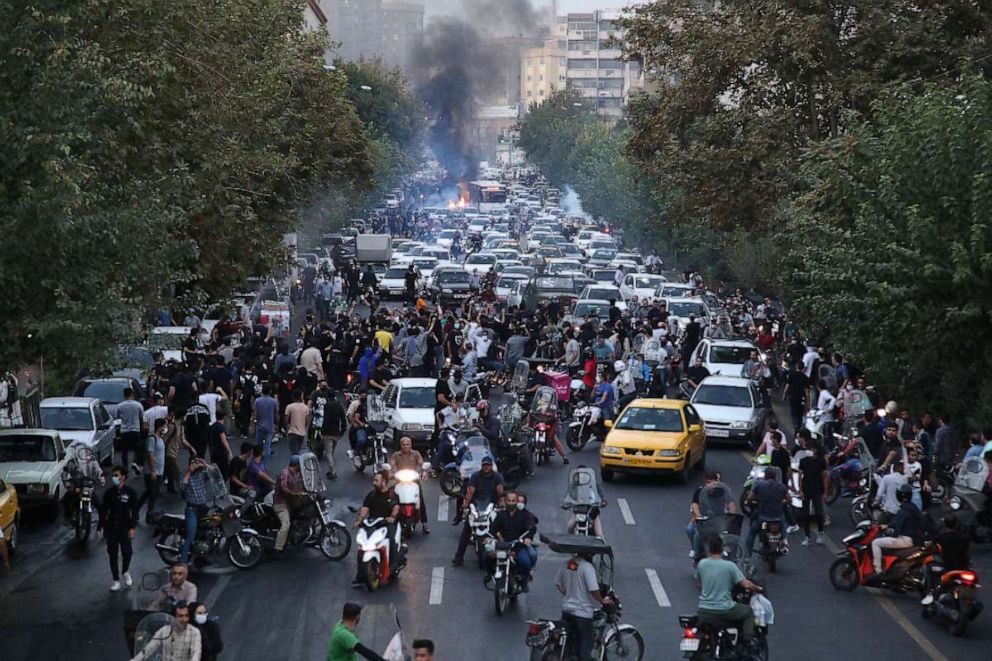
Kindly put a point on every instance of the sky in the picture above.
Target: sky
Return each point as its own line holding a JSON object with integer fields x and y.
{"x": 564, "y": 6}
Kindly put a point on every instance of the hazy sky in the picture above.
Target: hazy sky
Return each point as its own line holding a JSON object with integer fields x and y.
{"x": 564, "y": 6}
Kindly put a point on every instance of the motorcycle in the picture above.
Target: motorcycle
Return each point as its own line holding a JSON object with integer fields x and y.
{"x": 550, "y": 639}
{"x": 374, "y": 453}
{"x": 728, "y": 527}
{"x": 772, "y": 543}
{"x": 408, "y": 493}
{"x": 544, "y": 423}
{"x": 585, "y": 426}
{"x": 954, "y": 600}
{"x": 584, "y": 499}
{"x": 853, "y": 475}
{"x": 374, "y": 560}
{"x": 903, "y": 569}
{"x": 480, "y": 520}
{"x": 508, "y": 581}
{"x": 219, "y": 530}
{"x": 468, "y": 453}
{"x": 966, "y": 500}
{"x": 80, "y": 476}
{"x": 310, "y": 524}
{"x": 707, "y": 638}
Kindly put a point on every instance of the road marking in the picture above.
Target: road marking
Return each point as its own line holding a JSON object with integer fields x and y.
{"x": 215, "y": 593}
{"x": 659, "y": 592}
{"x": 442, "y": 507}
{"x": 628, "y": 516}
{"x": 437, "y": 586}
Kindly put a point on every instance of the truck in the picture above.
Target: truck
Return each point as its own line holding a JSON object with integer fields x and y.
{"x": 373, "y": 248}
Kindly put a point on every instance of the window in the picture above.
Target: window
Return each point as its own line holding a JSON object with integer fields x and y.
{"x": 529, "y": 93}
{"x": 722, "y": 396}
{"x": 528, "y": 79}
{"x": 540, "y": 78}
{"x": 650, "y": 419}
{"x": 542, "y": 60}
{"x": 67, "y": 419}
{"x": 691, "y": 416}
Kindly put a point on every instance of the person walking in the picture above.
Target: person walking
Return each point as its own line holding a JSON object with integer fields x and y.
{"x": 344, "y": 644}
{"x": 118, "y": 521}
{"x": 264, "y": 417}
{"x": 131, "y": 414}
{"x": 297, "y": 422}
{"x": 154, "y": 470}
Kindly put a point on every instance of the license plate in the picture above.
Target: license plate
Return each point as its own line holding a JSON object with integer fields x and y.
{"x": 718, "y": 433}
{"x": 637, "y": 461}
{"x": 689, "y": 644}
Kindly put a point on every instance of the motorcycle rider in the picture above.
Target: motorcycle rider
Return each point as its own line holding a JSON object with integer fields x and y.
{"x": 712, "y": 499}
{"x": 771, "y": 496}
{"x": 194, "y": 488}
{"x": 716, "y": 578}
{"x": 289, "y": 490}
{"x": 450, "y": 417}
{"x": 578, "y": 582}
{"x": 408, "y": 458}
{"x": 907, "y": 527}
{"x": 178, "y": 589}
{"x": 484, "y": 486}
{"x": 888, "y": 488}
{"x": 381, "y": 503}
{"x": 695, "y": 374}
{"x": 177, "y": 642}
{"x": 516, "y": 523}
{"x": 955, "y": 550}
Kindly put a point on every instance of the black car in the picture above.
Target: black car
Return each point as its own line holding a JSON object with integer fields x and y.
{"x": 452, "y": 286}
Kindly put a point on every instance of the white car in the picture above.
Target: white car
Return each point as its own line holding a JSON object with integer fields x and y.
{"x": 478, "y": 226}
{"x": 425, "y": 265}
{"x": 505, "y": 284}
{"x": 730, "y": 407}
{"x": 407, "y": 408}
{"x": 168, "y": 340}
{"x": 393, "y": 282}
{"x": 557, "y": 266}
{"x": 586, "y": 237}
{"x": 679, "y": 310}
{"x": 641, "y": 285}
{"x": 604, "y": 293}
{"x": 32, "y": 460}
{"x": 723, "y": 357}
{"x": 667, "y": 289}
{"x": 82, "y": 420}
{"x": 480, "y": 260}
{"x": 442, "y": 255}
{"x": 445, "y": 237}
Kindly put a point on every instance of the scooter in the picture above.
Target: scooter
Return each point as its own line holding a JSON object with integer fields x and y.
{"x": 375, "y": 565}
{"x": 903, "y": 570}
{"x": 953, "y": 600}
{"x": 408, "y": 493}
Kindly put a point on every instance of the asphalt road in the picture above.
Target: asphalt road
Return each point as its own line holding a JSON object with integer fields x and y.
{"x": 55, "y": 604}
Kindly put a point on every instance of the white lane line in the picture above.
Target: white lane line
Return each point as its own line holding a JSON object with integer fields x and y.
{"x": 659, "y": 592}
{"x": 442, "y": 507}
{"x": 437, "y": 586}
{"x": 215, "y": 593}
{"x": 628, "y": 516}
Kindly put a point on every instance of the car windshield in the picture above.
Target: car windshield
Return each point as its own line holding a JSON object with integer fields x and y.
{"x": 668, "y": 290}
{"x": 647, "y": 281}
{"x": 27, "y": 448}
{"x": 108, "y": 392}
{"x": 507, "y": 282}
{"x": 722, "y": 396}
{"x": 449, "y": 277}
{"x": 604, "y": 276}
{"x": 583, "y": 309}
{"x": 685, "y": 308}
{"x": 66, "y": 419}
{"x": 481, "y": 259}
{"x": 417, "y": 398}
{"x": 733, "y": 355}
{"x": 560, "y": 267}
{"x": 604, "y": 293}
{"x": 650, "y": 419}
{"x": 166, "y": 341}
{"x": 555, "y": 284}
{"x": 395, "y": 274}
{"x": 425, "y": 263}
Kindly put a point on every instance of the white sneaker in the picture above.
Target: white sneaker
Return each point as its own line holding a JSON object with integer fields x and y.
{"x": 128, "y": 581}
{"x": 692, "y": 555}
{"x": 819, "y": 538}
{"x": 927, "y": 600}
{"x": 791, "y": 529}
{"x": 805, "y": 541}
{"x": 115, "y": 586}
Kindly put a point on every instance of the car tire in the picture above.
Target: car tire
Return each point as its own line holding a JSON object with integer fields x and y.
{"x": 683, "y": 475}
{"x": 701, "y": 464}
{"x": 12, "y": 540}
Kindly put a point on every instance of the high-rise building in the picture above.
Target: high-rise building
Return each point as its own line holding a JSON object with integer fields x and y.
{"x": 402, "y": 33}
{"x": 542, "y": 71}
{"x": 356, "y": 26}
{"x": 502, "y": 86}
{"x": 594, "y": 64}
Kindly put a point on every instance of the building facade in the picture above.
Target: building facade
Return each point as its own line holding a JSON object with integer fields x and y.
{"x": 373, "y": 28}
{"x": 402, "y": 33}
{"x": 542, "y": 71}
{"x": 594, "y": 64}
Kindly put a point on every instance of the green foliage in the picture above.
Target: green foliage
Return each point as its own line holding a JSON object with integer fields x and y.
{"x": 889, "y": 247}
{"x": 549, "y": 132}
{"x": 150, "y": 146}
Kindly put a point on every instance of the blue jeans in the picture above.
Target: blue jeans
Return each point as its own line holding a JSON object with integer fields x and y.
{"x": 361, "y": 439}
{"x": 192, "y": 521}
{"x": 690, "y": 531}
{"x": 752, "y": 534}
{"x": 526, "y": 557}
{"x": 264, "y": 436}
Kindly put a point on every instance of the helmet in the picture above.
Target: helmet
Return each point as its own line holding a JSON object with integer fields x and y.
{"x": 904, "y": 493}
{"x": 619, "y": 366}
{"x": 482, "y": 406}
{"x": 891, "y": 408}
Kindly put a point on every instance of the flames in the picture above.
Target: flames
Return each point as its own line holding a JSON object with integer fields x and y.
{"x": 463, "y": 198}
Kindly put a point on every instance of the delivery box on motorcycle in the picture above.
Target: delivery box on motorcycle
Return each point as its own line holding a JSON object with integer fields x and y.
{"x": 561, "y": 383}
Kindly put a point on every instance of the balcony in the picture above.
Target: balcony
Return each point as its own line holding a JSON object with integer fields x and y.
{"x": 583, "y": 73}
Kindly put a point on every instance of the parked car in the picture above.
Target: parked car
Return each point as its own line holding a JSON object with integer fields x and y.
{"x": 32, "y": 460}
{"x": 82, "y": 420}
{"x": 109, "y": 391}
{"x": 731, "y": 409}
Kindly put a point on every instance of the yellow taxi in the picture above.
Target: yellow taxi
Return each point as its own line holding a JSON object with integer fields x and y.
{"x": 10, "y": 515}
{"x": 654, "y": 436}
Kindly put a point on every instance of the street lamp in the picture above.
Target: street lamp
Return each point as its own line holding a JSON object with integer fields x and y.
{"x": 330, "y": 67}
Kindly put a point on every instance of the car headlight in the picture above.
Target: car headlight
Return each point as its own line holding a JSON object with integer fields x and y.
{"x": 447, "y": 291}
{"x": 740, "y": 424}
{"x": 609, "y": 449}
{"x": 411, "y": 426}
{"x": 669, "y": 453}
{"x": 37, "y": 488}
{"x": 954, "y": 502}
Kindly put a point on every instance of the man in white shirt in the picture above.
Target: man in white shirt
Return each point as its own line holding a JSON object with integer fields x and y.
{"x": 809, "y": 358}
{"x": 210, "y": 399}
{"x": 826, "y": 403}
{"x": 312, "y": 361}
{"x": 157, "y": 411}
{"x": 887, "y": 485}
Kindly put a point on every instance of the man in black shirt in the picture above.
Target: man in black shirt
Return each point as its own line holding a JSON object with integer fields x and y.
{"x": 410, "y": 280}
{"x": 796, "y": 385}
{"x": 238, "y": 469}
{"x": 485, "y": 486}
{"x": 118, "y": 521}
{"x": 696, "y": 373}
{"x": 196, "y": 425}
{"x": 381, "y": 503}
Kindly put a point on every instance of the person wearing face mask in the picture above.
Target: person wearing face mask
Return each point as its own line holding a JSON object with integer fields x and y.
{"x": 118, "y": 521}
{"x": 516, "y": 523}
{"x": 453, "y": 339}
{"x": 210, "y": 641}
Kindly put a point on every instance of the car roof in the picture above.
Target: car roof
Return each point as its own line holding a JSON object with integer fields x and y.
{"x": 597, "y": 301}
{"x": 732, "y": 343}
{"x": 114, "y": 379}
{"x": 409, "y": 382}
{"x": 734, "y": 381}
{"x": 652, "y": 403}
{"x": 29, "y": 432}
{"x": 67, "y": 402}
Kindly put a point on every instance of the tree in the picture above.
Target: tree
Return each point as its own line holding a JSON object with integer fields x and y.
{"x": 889, "y": 247}
{"x": 744, "y": 88}
{"x": 149, "y": 146}
{"x": 549, "y": 131}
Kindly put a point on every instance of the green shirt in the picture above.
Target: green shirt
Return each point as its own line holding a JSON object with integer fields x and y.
{"x": 343, "y": 641}
{"x": 717, "y": 577}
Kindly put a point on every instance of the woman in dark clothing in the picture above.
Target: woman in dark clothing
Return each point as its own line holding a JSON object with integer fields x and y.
{"x": 209, "y": 632}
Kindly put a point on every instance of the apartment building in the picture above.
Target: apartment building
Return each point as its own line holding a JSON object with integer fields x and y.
{"x": 594, "y": 64}
{"x": 542, "y": 71}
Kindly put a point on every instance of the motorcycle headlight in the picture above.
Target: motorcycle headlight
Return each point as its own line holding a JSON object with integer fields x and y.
{"x": 740, "y": 424}
{"x": 369, "y": 547}
{"x": 954, "y": 502}
{"x": 406, "y": 475}
{"x": 610, "y": 449}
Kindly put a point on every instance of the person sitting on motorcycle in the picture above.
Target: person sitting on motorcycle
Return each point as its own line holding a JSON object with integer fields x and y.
{"x": 357, "y": 416}
{"x": 589, "y": 370}
{"x": 716, "y": 579}
{"x": 516, "y": 523}
{"x": 381, "y": 503}
{"x": 545, "y": 413}
{"x": 408, "y": 458}
{"x": 484, "y": 486}
{"x": 887, "y": 496}
{"x": 448, "y": 418}
{"x": 194, "y": 488}
{"x": 955, "y": 552}
{"x": 771, "y": 496}
{"x": 907, "y": 527}
{"x": 626, "y": 389}
{"x": 712, "y": 499}
{"x": 597, "y": 523}
{"x": 289, "y": 491}
{"x": 177, "y": 589}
